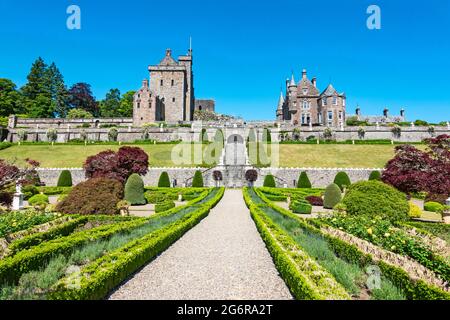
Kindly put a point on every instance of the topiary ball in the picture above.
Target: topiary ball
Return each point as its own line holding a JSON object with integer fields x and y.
{"x": 342, "y": 180}
{"x": 375, "y": 198}
{"x": 65, "y": 179}
{"x": 197, "y": 182}
{"x": 375, "y": 175}
{"x": 134, "y": 190}
{"x": 269, "y": 181}
{"x": 303, "y": 181}
{"x": 332, "y": 196}
{"x": 164, "y": 181}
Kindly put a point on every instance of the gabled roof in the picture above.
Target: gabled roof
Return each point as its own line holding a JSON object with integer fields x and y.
{"x": 331, "y": 91}
{"x": 306, "y": 83}
{"x": 168, "y": 60}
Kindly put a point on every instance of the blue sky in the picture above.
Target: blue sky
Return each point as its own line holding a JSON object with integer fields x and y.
{"x": 244, "y": 50}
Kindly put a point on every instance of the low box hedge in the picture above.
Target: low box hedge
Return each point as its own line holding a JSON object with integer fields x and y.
{"x": 98, "y": 278}
{"x": 164, "y": 206}
{"x": 306, "y": 279}
{"x": 301, "y": 207}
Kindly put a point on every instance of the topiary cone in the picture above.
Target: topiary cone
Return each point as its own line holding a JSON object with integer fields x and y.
{"x": 197, "y": 182}
{"x": 342, "y": 180}
{"x": 303, "y": 181}
{"x": 65, "y": 179}
{"x": 332, "y": 197}
{"x": 164, "y": 181}
{"x": 134, "y": 190}
{"x": 269, "y": 181}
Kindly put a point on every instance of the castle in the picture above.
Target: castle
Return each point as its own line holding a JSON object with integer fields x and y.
{"x": 303, "y": 104}
{"x": 169, "y": 96}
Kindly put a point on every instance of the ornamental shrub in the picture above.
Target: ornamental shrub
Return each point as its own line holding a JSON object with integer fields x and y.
{"x": 433, "y": 207}
{"x": 117, "y": 165}
{"x": 197, "y": 182}
{"x": 65, "y": 179}
{"x": 414, "y": 210}
{"x": 38, "y": 200}
{"x": 439, "y": 198}
{"x": 302, "y": 207}
{"x": 29, "y": 191}
{"x": 164, "y": 181}
{"x": 269, "y": 181}
{"x": 375, "y": 198}
{"x": 315, "y": 200}
{"x": 134, "y": 190}
{"x": 303, "y": 181}
{"x": 332, "y": 196}
{"x": 375, "y": 175}
{"x": 6, "y": 198}
{"x": 94, "y": 196}
{"x": 342, "y": 180}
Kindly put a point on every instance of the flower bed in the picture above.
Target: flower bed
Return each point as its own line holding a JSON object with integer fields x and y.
{"x": 422, "y": 287}
{"x": 21, "y": 220}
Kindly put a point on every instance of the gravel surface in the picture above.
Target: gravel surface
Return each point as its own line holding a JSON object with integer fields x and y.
{"x": 223, "y": 257}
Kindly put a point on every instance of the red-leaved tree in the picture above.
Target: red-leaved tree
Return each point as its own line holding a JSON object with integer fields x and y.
{"x": 117, "y": 165}
{"x": 413, "y": 170}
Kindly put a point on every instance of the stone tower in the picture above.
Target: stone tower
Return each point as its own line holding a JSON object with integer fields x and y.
{"x": 172, "y": 81}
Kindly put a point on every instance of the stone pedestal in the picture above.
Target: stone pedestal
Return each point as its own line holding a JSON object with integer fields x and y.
{"x": 18, "y": 199}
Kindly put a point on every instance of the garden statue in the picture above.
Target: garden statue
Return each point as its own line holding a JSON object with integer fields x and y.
{"x": 18, "y": 198}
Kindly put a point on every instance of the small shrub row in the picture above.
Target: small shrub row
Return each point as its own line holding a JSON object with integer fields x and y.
{"x": 302, "y": 207}
{"x": 164, "y": 206}
{"x": 306, "y": 279}
{"x": 104, "y": 274}
{"x": 53, "y": 191}
{"x": 433, "y": 207}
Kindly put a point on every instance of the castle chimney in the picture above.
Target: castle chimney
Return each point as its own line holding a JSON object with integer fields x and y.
{"x": 402, "y": 113}
{"x": 314, "y": 80}
{"x": 304, "y": 74}
{"x": 358, "y": 111}
{"x": 386, "y": 112}
{"x": 168, "y": 52}
{"x": 145, "y": 83}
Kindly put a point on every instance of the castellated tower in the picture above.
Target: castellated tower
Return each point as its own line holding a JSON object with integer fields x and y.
{"x": 170, "y": 88}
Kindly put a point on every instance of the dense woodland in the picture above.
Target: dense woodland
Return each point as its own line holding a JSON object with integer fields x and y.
{"x": 46, "y": 95}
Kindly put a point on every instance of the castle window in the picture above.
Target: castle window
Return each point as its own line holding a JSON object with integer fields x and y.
{"x": 334, "y": 100}
{"x": 330, "y": 115}
{"x": 162, "y": 83}
{"x": 173, "y": 99}
{"x": 200, "y": 108}
{"x": 305, "y": 104}
{"x": 305, "y": 91}
{"x": 324, "y": 101}
{"x": 173, "y": 82}
{"x": 150, "y": 105}
{"x": 340, "y": 115}
{"x": 138, "y": 105}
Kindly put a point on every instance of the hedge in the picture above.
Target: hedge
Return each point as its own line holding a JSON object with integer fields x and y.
{"x": 269, "y": 181}
{"x": 134, "y": 190}
{"x": 36, "y": 238}
{"x": 342, "y": 180}
{"x": 104, "y": 274}
{"x": 412, "y": 288}
{"x": 303, "y": 181}
{"x": 164, "y": 181}
{"x": 164, "y": 206}
{"x": 197, "y": 181}
{"x": 306, "y": 279}
{"x": 52, "y": 191}
{"x": 302, "y": 207}
{"x": 65, "y": 179}
{"x": 433, "y": 207}
{"x": 11, "y": 268}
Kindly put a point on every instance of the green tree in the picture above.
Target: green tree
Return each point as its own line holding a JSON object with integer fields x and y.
{"x": 126, "y": 104}
{"x": 58, "y": 91}
{"x": 134, "y": 190}
{"x": 79, "y": 114}
{"x": 9, "y": 98}
{"x": 109, "y": 107}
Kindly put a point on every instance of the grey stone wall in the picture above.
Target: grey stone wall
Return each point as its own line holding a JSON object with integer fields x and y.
{"x": 319, "y": 177}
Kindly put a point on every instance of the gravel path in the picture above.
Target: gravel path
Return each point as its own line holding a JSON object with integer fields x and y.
{"x": 223, "y": 257}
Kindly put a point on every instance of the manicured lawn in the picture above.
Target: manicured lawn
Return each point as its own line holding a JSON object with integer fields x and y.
{"x": 335, "y": 155}
{"x": 72, "y": 156}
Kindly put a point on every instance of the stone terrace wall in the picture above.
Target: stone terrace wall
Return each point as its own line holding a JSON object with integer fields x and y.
{"x": 320, "y": 177}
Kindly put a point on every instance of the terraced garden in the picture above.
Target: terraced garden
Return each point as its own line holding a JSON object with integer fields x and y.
{"x": 84, "y": 257}
{"x": 344, "y": 257}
